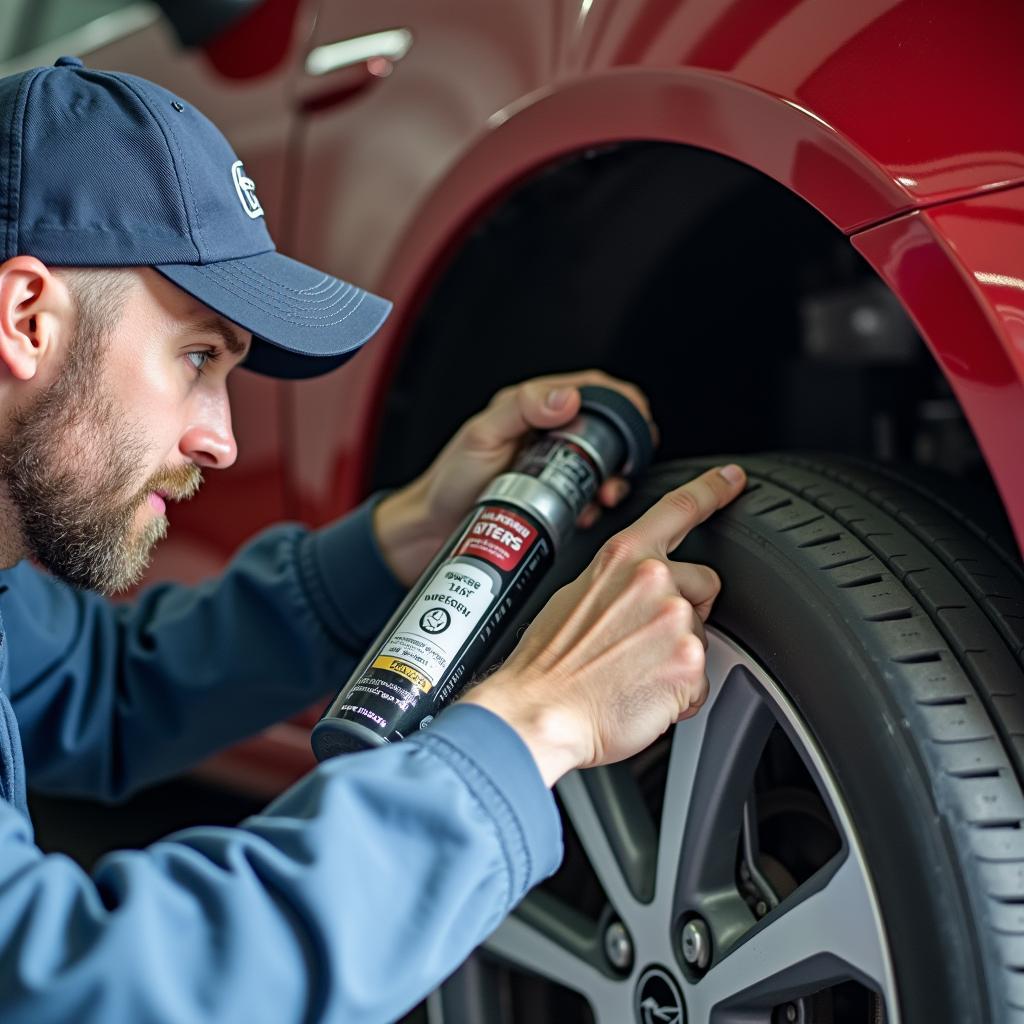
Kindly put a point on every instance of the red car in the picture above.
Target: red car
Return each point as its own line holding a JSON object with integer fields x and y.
{"x": 799, "y": 225}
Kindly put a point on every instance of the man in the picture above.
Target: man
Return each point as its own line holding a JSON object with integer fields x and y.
{"x": 364, "y": 885}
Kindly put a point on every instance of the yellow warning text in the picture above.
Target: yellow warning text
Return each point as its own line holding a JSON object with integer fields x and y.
{"x": 404, "y": 669}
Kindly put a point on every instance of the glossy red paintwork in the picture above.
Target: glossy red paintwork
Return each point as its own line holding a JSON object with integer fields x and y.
{"x": 852, "y": 106}
{"x": 959, "y": 271}
{"x": 259, "y": 44}
{"x": 874, "y": 111}
{"x": 927, "y": 89}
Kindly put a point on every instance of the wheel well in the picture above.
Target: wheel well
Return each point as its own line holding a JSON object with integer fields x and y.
{"x": 750, "y": 320}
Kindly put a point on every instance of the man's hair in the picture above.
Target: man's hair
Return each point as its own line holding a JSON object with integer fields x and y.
{"x": 99, "y": 294}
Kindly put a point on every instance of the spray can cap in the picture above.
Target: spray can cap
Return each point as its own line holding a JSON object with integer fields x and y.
{"x": 618, "y": 410}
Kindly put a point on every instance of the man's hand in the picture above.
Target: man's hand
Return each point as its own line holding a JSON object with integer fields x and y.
{"x": 617, "y": 656}
{"x": 413, "y": 523}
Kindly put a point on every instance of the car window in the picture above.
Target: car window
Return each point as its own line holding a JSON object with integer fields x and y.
{"x": 27, "y": 25}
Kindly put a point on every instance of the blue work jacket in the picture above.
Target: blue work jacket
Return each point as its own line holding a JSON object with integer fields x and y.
{"x": 348, "y": 899}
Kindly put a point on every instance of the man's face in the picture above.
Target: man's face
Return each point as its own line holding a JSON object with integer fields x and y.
{"x": 135, "y": 411}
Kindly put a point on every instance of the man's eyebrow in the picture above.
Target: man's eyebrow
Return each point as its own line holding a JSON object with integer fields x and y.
{"x": 215, "y": 325}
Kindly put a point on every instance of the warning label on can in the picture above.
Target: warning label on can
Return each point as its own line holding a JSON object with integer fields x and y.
{"x": 403, "y": 668}
{"x": 433, "y": 630}
{"x": 499, "y": 536}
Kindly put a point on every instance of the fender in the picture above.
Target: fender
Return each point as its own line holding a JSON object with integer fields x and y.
{"x": 963, "y": 320}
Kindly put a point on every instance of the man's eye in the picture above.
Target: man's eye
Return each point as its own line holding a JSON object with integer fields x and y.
{"x": 199, "y": 359}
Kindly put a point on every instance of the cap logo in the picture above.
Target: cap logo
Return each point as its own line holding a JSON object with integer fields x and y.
{"x": 246, "y": 189}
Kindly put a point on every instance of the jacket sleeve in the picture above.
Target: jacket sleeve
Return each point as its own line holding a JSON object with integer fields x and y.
{"x": 112, "y": 697}
{"x": 351, "y": 897}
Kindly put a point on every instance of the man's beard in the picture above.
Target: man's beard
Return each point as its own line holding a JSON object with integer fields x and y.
{"x": 67, "y": 462}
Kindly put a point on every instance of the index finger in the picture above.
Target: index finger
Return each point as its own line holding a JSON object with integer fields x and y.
{"x": 664, "y": 525}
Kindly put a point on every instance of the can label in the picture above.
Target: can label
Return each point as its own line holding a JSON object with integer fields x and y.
{"x": 431, "y": 634}
{"x": 498, "y": 536}
{"x": 423, "y": 662}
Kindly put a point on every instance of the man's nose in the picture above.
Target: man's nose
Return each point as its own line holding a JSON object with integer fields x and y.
{"x": 210, "y": 442}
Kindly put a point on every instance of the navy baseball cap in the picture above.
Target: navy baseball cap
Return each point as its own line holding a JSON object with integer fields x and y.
{"x": 101, "y": 168}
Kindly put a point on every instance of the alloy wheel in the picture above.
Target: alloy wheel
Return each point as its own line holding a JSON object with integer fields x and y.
{"x": 701, "y": 925}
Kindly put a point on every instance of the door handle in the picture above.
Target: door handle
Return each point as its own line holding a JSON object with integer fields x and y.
{"x": 336, "y": 72}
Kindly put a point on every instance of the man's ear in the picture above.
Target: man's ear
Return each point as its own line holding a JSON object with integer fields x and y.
{"x": 36, "y": 316}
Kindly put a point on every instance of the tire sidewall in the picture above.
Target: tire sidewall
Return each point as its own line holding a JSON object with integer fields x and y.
{"x": 794, "y": 629}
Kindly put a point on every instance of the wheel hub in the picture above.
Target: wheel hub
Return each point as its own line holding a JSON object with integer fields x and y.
{"x": 658, "y": 999}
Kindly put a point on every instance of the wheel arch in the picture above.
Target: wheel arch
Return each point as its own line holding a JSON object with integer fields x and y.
{"x": 708, "y": 112}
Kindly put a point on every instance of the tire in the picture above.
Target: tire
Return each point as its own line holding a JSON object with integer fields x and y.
{"x": 894, "y": 627}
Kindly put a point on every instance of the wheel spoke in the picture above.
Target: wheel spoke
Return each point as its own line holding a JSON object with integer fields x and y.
{"x": 684, "y": 758}
{"x": 557, "y": 950}
{"x": 435, "y": 1007}
{"x": 826, "y": 932}
{"x": 610, "y": 817}
{"x": 827, "y": 935}
{"x": 616, "y": 1010}
{"x": 469, "y": 994}
{"x": 711, "y": 770}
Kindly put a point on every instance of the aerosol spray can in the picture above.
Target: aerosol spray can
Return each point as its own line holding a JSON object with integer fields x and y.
{"x": 452, "y": 618}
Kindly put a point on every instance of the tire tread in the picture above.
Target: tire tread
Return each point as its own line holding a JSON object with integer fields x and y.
{"x": 941, "y": 600}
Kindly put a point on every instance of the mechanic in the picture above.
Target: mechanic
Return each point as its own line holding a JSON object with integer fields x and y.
{"x": 136, "y": 272}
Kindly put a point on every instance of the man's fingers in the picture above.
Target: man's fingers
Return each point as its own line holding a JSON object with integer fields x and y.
{"x": 664, "y": 525}
{"x": 698, "y": 584}
{"x": 599, "y": 377}
{"x": 542, "y": 403}
{"x": 609, "y": 494}
{"x": 698, "y": 702}
{"x": 590, "y": 515}
{"x": 698, "y": 629}
{"x": 507, "y": 418}
{"x": 613, "y": 491}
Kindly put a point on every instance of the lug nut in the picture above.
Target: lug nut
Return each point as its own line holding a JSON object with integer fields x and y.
{"x": 696, "y": 944}
{"x": 618, "y": 947}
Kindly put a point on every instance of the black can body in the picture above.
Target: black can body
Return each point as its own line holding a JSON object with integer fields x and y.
{"x": 441, "y": 635}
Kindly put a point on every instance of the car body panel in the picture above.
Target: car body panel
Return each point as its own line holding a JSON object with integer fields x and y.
{"x": 927, "y": 89}
{"x": 866, "y": 111}
{"x": 959, "y": 271}
{"x": 896, "y": 119}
